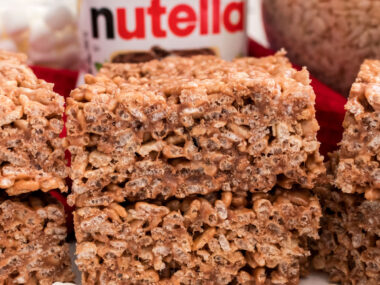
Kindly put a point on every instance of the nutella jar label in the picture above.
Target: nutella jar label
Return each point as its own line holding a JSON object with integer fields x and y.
{"x": 137, "y": 31}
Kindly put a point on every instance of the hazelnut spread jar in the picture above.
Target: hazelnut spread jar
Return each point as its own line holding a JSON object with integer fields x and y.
{"x": 138, "y": 31}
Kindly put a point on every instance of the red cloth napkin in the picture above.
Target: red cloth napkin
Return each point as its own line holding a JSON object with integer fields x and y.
{"x": 64, "y": 80}
{"x": 329, "y": 106}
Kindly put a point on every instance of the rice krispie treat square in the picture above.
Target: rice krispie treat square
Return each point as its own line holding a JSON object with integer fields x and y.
{"x": 358, "y": 169}
{"x": 31, "y": 152}
{"x": 185, "y": 126}
{"x": 32, "y": 241}
{"x": 349, "y": 245}
{"x": 222, "y": 238}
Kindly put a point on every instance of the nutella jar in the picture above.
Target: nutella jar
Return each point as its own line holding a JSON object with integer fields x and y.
{"x": 139, "y": 31}
{"x": 331, "y": 38}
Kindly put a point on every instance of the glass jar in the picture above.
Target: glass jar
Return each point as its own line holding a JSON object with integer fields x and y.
{"x": 330, "y": 37}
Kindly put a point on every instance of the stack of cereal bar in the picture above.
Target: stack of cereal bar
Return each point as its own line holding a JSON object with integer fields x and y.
{"x": 32, "y": 241}
{"x": 194, "y": 171}
{"x": 32, "y": 226}
{"x": 349, "y": 249}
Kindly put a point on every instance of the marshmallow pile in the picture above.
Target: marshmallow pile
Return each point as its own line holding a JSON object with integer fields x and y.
{"x": 46, "y": 30}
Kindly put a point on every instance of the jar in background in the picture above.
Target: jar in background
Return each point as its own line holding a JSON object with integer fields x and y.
{"x": 46, "y": 30}
{"x": 330, "y": 37}
{"x": 138, "y": 31}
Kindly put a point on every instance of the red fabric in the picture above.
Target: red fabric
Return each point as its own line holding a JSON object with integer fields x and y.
{"x": 329, "y": 106}
{"x": 64, "y": 80}
{"x": 68, "y": 210}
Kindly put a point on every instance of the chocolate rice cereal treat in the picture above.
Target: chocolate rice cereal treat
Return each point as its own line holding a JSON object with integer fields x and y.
{"x": 358, "y": 169}
{"x": 349, "y": 247}
{"x": 31, "y": 152}
{"x": 185, "y": 126}
{"x": 32, "y": 241}
{"x": 221, "y": 238}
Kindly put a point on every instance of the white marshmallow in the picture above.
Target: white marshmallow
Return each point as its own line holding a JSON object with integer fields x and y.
{"x": 48, "y": 57}
{"x": 65, "y": 58}
{"x": 70, "y": 57}
{"x": 15, "y": 21}
{"x": 8, "y": 45}
{"x": 57, "y": 17}
{"x": 67, "y": 37}
{"x": 41, "y": 37}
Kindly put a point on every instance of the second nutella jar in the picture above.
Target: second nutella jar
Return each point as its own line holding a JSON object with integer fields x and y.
{"x": 138, "y": 31}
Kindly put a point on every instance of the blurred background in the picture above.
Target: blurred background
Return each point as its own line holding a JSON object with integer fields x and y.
{"x": 330, "y": 37}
